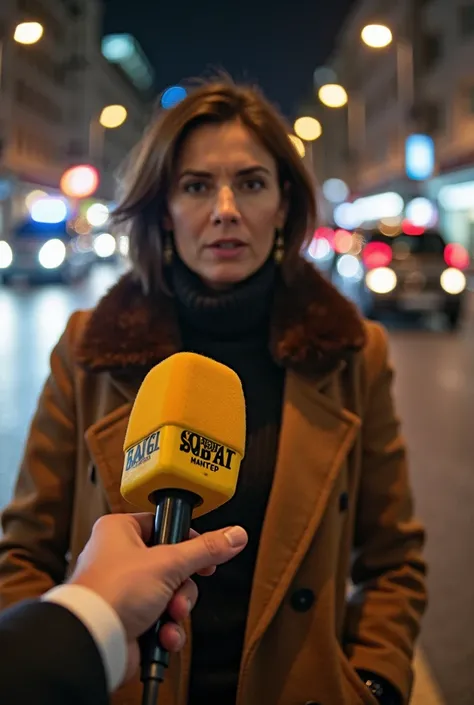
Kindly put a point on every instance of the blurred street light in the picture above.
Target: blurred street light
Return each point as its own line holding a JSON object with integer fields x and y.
{"x": 24, "y": 33}
{"x": 113, "y": 116}
{"x": 308, "y": 128}
{"x": 333, "y": 95}
{"x": 298, "y": 144}
{"x": 28, "y": 32}
{"x": 377, "y": 36}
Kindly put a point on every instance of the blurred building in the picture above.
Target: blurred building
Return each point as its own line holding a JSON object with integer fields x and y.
{"x": 423, "y": 83}
{"x": 52, "y": 94}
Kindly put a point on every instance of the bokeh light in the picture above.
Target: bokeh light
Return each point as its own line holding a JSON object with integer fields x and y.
{"x": 376, "y": 255}
{"x": 28, "y": 32}
{"x": 113, "y": 116}
{"x": 335, "y": 190}
{"x": 172, "y": 96}
{"x": 80, "y": 181}
{"x": 333, "y": 95}
{"x": 49, "y": 210}
{"x": 308, "y": 128}
{"x": 376, "y": 36}
{"x": 455, "y": 255}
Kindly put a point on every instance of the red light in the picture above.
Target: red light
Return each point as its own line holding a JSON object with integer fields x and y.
{"x": 80, "y": 181}
{"x": 410, "y": 229}
{"x": 377, "y": 254}
{"x": 342, "y": 241}
{"x": 456, "y": 255}
{"x": 326, "y": 233}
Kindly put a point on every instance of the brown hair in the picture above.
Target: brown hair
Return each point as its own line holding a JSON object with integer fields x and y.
{"x": 146, "y": 179}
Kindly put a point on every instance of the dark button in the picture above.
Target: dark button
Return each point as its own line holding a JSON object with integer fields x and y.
{"x": 92, "y": 474}
{"x": 311, "y": 702}
{"x": 343, "y": 501}
{"x": 302, "y": 600}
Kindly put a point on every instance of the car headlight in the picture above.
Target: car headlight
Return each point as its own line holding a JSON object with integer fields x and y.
{"x": 382, "y": 280}
{"x": 453, "y": 281}
{"x": 52, "y": 254}
{"x": 104, "y": 245}
{"x": 6, "y": 255}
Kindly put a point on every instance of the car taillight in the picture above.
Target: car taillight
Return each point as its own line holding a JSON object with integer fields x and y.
{"x": 377, "y": 254}
{"x": 456, "y": 256}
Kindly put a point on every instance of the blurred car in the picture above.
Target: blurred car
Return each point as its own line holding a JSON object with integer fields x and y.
{"x": 413, "y": 273}
{"x": 42, "y": 251}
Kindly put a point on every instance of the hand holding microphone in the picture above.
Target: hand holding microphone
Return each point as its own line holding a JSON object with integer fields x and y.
{"x": 183, "y": 448}
{"x": 139, "y": 583}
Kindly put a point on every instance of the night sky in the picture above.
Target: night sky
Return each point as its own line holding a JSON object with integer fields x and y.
{"x": 278, "y": 48}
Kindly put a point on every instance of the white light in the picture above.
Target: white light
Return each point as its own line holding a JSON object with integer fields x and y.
{"x": 49, "y": 210}
{"x": 346, "y": 216}
{"x": 52, "y": 254}
{"x": 320, "y": 249}
{"x": 453, "y": 281}
{"x": 458, "y": 197}
{"x": 349, "y": 267}
{"x": 381, "y": 280}
{"x": 421, "y": 212}
{"x": 117, "y": 47}
{"x": 383, "y": 205}
{"x": 97, "y": 214}
{"x": 6, "y": 255}
{"x": 104, "y": 245}
{"x": 335, "y": 190}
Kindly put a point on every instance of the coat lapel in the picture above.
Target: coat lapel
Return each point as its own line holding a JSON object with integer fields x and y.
{"x": 105, "y": 443}
{"x": 316, "y": 435}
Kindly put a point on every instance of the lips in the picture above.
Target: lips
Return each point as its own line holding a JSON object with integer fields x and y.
{"x": 228, "y": 244}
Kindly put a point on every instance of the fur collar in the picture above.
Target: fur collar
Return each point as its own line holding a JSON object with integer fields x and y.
{"x": 314, "y": 328}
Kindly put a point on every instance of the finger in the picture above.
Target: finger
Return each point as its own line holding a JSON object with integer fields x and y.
{"x": 207, "y": 572}
{"x": 143, "y": 524}
{"x": 172, "y": 636}
{"x": 183, "y": 601}
{"x": 205, "y": 551}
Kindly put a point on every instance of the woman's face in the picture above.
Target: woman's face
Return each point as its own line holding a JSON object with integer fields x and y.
{"x": 225, "y": 204}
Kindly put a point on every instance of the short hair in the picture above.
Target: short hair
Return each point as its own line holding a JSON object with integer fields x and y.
{"x": 147, "y": 177}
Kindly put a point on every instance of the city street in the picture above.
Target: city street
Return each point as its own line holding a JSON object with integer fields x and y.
{"x": 435, "y": 395}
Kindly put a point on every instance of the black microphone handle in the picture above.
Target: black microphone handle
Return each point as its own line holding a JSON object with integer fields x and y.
{"x": 173, "y": 514}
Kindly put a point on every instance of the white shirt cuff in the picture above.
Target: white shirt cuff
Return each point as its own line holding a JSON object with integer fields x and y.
{"x": 103, "y": 623}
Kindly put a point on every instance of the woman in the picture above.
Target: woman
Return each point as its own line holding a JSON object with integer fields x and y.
{"x": 219, "y": 205}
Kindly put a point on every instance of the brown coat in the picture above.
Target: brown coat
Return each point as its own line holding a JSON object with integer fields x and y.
{"x": 340, "y": 504}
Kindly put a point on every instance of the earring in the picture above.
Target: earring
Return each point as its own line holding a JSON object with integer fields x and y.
{"x": 168, "y": 250}
{"x": 279, "y": 250}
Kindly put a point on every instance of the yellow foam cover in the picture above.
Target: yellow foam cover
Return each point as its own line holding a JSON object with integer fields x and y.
{"x": 186, "y": 431}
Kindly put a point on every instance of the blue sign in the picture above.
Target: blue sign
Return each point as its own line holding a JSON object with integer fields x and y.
{"x": 419, "y": 157}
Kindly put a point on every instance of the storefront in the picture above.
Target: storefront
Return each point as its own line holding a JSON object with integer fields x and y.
{"x": 454, "y": 194}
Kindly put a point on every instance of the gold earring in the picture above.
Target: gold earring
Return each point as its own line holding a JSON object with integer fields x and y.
{"x": 168, "y": 250}
{"x": 279, "y": 250}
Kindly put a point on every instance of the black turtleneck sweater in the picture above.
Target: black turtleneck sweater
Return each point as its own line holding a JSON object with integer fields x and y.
{"x": 232, "y": 327}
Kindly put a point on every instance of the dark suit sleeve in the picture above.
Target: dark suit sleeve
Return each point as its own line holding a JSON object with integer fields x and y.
{"x": 47, "y": 657}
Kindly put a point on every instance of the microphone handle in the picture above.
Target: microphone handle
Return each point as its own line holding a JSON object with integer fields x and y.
{"x": 173, "y": 514}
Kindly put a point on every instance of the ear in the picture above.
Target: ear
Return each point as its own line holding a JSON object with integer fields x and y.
{"x": 284, "y": 206}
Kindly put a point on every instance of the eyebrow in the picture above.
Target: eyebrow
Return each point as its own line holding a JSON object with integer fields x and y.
{"x": 248, "y": 171}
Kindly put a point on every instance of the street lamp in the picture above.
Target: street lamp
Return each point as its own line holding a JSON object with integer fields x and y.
{"x": 111, "y": 117}
{"x": 308, "y": 128}
{"x": 332, "y": 95}
{"x": 376, "y": 36}
{"x": 24, "y": 33}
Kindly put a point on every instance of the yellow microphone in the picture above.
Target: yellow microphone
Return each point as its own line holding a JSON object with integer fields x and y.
{"x": 183, "y": 448}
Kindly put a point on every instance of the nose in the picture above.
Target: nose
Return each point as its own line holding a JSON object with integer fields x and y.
{"x": 225, "y": 209}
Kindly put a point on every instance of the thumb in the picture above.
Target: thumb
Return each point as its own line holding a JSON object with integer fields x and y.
{"x": 207, "y": 550}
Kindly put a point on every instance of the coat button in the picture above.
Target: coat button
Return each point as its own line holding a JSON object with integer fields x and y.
{"x": 302, "y": 600}
{"x": 343, "y": 501}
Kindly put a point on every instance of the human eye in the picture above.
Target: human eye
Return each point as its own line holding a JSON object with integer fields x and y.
{"x": 196, "y": 188}
{"x": 253, "y": 185}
